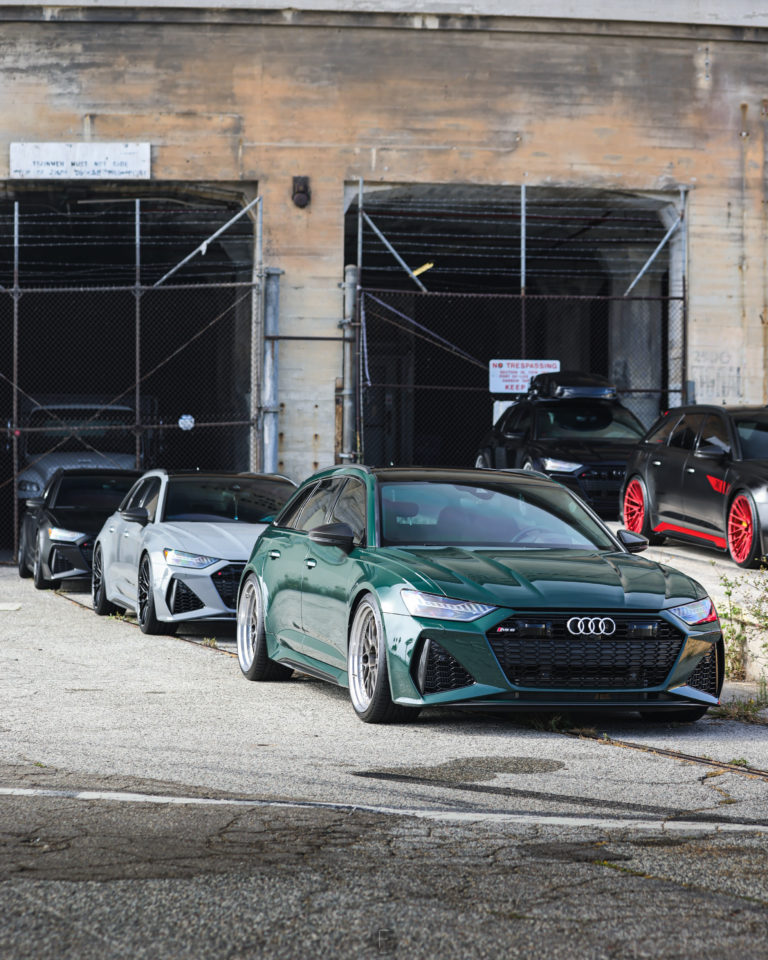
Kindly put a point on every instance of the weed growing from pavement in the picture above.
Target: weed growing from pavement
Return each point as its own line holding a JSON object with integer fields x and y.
{"x": 209, "y": 641}
{"x": 117, "y": 616}
{"x": 739, "y": 762}
{"x": 745, "y": 611}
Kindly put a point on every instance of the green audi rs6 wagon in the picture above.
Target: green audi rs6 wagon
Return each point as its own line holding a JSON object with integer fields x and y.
{"x": 471, "y": 588}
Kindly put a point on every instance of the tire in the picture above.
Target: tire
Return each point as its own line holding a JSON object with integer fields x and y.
{"x": 367, "y": 668}
{"x": 635, "y": 513}
{"x": 145, "y": 600}
{"x": 39, "y": 579}
{"x": 24, "y": 571}
{"x": 680, "y": 715}
{"x": 483, "y": 460}
{"x": 251, "y": 636}
{"x": 101, "y": 606}
{"x": 742, "y": 532}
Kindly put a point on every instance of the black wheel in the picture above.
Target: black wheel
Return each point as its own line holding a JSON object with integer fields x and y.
{"x": 251, "y": 636}
{"x": 146, "y": 600}
{"x": 101, "y": 605}
{"x": 742, "y": 530}
{"x": 483, "y": 460}
{"x": 367, "y": 668}
{"x": 24, "y": 570}
{"x": 636, "y": 512}
{"x": 675, "y": 715}
{"x": 40, "y": 580}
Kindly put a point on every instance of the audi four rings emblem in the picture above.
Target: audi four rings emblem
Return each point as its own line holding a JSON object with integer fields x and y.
{"x": 594, "y": 626}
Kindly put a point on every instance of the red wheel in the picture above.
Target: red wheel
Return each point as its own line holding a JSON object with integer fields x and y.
{"x": 634, "y": 507}
{"x": 636, "y": 512}
{"x": 743, "y": 540}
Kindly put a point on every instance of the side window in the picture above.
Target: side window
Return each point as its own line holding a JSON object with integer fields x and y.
{"x": 524, "y": 422}
{"x": 662, "y": 432}
{"x": 350, "y": 508}
{"x": 714, "y": 433}
{"x": 150, "y": 496}
{"x": 319, "y": 503}
{"x": 135, "y": 495}
{"x": 683, "y": 437}
{"x": 288, "y": 517}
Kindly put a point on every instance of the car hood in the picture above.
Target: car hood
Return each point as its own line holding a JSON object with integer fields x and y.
{"x": 536, "y": 579}
{"x": 586, "y": 451}
{"x": 225, "y": 541}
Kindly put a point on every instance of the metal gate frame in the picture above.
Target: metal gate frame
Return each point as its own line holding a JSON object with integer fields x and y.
{"x": 263, "y": 350}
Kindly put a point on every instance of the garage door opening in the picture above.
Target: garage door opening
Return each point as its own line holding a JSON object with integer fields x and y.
{"x": 127, "y": 322}
{"x": 454, "y": 276}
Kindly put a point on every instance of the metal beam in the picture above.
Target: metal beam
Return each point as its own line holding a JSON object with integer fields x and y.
{"x": 655, "y": 253}
{"x": 394, "y": 253}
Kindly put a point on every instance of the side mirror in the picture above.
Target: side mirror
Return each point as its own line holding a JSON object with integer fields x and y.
{"x": 711, "y": 452}
{"x": 514, "y": 434}
{"x": 634, "y": 542}
{"x": 34, "y": 504}
{"x": 338, "y": 535}
{"x": 136, "y": 515}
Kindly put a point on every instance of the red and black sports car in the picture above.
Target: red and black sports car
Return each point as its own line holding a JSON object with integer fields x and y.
{"x": 701, "y": 474}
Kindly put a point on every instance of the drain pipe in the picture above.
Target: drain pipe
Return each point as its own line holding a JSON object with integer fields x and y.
{"x": 348, "y": 389}
{"x": 269, "y": 405}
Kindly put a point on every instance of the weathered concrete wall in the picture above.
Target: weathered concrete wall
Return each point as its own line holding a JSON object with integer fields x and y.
{"x": 497, "y": 102}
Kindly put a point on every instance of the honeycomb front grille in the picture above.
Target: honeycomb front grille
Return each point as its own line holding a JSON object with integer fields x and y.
{"x": 704, "y": 677}
{"x": 226, "y": 581}
{"x": 181, "y": 599}
{"x": 539, "y": 652}
{"x": 443, "y": 671}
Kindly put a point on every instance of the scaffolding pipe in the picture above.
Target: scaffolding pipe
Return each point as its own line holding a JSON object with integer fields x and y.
{"x": 394, "y": 253}
{"x": 269, "y": 404}
{"x": 257, "y": 326}
{"x": 348, "y": 386}
{"x": 655, "y": 254}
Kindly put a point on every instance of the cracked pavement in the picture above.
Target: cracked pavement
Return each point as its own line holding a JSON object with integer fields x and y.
{"x": 458, "y": 835}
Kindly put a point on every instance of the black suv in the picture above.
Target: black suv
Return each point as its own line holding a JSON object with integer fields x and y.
{"x": 570, "y": 426}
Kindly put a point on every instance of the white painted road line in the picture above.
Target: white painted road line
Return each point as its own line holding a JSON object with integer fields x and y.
{"x": 521, "y": 819}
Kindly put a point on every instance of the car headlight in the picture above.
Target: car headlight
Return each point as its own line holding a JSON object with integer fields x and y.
{"x": 443, "y": 608}
{"x": 29, "y": 486}
{"x": 700, "y": 611}
{"x": 560, "y": 466}
{"x": 68, "y": 536}
{"x": 177, "y": 558}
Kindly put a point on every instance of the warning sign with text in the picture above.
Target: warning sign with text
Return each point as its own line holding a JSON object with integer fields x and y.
{"x": 514, "y": 376}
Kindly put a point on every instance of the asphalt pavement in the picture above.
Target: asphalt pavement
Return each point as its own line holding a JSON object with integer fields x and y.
{"x": 153, "y": 803}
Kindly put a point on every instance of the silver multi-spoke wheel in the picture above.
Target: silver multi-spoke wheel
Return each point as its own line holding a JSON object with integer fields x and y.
{"x": 252, "y": 638}
{"x": 364, "y": 642}
{"x": 248, "y": 623}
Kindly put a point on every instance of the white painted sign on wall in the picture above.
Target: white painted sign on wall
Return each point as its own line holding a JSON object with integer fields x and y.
{"x": 514, "y": 376}
{"x": 80, "y": 161}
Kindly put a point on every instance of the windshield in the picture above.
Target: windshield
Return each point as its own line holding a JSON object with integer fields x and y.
{"x": 519, "y": 514}
{"x": 105, "y": 429}
{"x": 232, "y": 499}
{"x": 753, "y": 435}
{"x": 588, "y": 420}
{"x": 92, "y": 493}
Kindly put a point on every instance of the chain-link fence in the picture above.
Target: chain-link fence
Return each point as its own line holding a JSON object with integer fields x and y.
{"x": 423, "y": 371}
{"x": 123, "y": 377}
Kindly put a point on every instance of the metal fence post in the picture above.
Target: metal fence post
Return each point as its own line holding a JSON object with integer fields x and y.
{"x": 16, "y": 293}
{"x": 348, "y": 388}
{"x": 270, "y": 409}
{"x": 137, "y": 358}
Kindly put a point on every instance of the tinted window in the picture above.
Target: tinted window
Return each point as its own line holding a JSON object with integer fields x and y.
{"x": 290, "y": 515}
{"x": 350, "y": 508}
{"x": 92, "y": 493}
{"x": 662, "y": 432}
{"x": 520, "y": 515}
{"x": 137, "y": 494}
{"x": 229, "y": 499}
{"x": 319, "y": 503}
{"x": 683, "y": 437}
{"x": 587, "y": 420}
{"x": 753, "y": 436}
{"x": 714, "y": 433}
{"x": 149, "y": 497}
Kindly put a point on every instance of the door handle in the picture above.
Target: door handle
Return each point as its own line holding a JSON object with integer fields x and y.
{"x": 126, "y": 534}
{"x": 311, "y": 563}
{"x": 690, "y": 470}
{"x": 274, "y": 554}
{"x": 111, "y": 529}
{"x": 656, "y": 463}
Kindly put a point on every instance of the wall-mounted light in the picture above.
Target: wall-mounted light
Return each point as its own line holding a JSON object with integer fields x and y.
{"x": 301, "y": 194}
